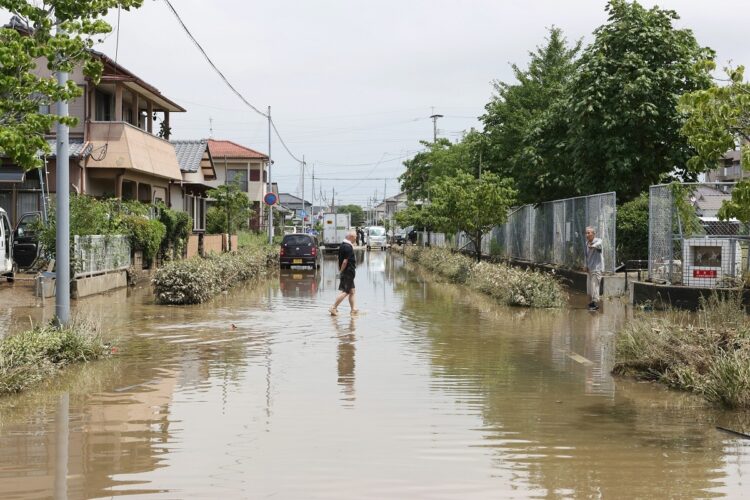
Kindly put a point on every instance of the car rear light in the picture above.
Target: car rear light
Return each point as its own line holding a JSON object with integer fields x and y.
{"x": 314, "y": 251}
{"x": 282, "y": 252}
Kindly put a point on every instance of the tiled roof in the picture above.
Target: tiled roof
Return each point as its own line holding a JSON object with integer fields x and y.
{"x": 220, "y": 149}
{"x": 190, "y": 153}
{"x": 287, "y": 198}
{"x": 77, "y": 149}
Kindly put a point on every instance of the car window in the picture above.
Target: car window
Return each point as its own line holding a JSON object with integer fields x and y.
{"x": 28, "y": 222}
{"x": 377, "y": 231}
{"x": 296, "y": 239}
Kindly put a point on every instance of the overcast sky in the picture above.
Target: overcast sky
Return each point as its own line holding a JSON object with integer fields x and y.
{"x": 351, "y": 83}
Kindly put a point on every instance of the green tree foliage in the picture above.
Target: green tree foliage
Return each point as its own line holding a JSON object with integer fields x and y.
{"x": 22, "y": 125}
{"x": 624, "y": 126}
{"x": 232, "y": 209}
{"x": 441, "y": 158}
{"x": 356, "y": 212}
{"x": 462, "y": 202}
{"x": 718, "y": 119}
{"x": 739, "y": 206}
{"x": 632, "y": 229}
{"x": 517, "y": 109}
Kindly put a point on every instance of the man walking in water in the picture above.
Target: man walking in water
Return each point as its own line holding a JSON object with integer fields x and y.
{"x": 594, "y": 266}
{"x": 347, "y": 271}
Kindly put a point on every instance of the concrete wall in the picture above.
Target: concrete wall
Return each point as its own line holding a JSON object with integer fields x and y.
{"x": 92, "y": 285}
{"x": 192, "y": 245}
{"x": 213, "y": 243}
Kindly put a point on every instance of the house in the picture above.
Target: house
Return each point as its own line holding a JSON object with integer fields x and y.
{"x": 296, "y": 204}
{"x": 247, "y": 167}
{"x": 114, "y": 150}
{"x": 729, "y": 170}
{"x": 198, "y": 170}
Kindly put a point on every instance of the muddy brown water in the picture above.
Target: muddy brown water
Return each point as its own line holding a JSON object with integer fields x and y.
{"x": 432, "y": 392}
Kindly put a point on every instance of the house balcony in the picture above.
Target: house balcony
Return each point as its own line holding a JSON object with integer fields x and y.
{"x": 120, "y": 145}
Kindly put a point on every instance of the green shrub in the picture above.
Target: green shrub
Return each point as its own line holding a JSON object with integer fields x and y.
{"x": 707, "y": 353}
{"x": 632, "y": 229}
{"x": 34, "y": 355}
{"x": 507, "y": 284}
{"x": 145, "y": 234}
{"x": 177, "y": 226}
{"x": 196, "y": 280}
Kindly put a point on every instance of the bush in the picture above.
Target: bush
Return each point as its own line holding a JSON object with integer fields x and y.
{"x": 145, "y": 234}
{"x": 509, "y": 285}
{"x": 31, "y": 356}
{"x": 632, "y": 229}
{"x": 707, "y": 353}
{"x": 177, "y": 227}
{"x": 196, "y": 280}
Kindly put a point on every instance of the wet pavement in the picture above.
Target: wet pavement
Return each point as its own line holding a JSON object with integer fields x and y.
{"x": 432, "y": 392}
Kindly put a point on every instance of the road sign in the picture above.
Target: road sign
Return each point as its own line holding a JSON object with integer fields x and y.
{"x": 302, "y": 213}
{"x": 270, "y": 199}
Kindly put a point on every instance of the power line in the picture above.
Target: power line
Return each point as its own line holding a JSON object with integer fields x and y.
{"x": 284, "y": 143}
{"x": 218, "y": 71}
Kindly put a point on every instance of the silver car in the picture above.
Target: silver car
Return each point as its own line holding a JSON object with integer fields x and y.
{"x": 376, "y": 238}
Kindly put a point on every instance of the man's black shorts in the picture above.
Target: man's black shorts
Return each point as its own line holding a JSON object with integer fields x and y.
{"x": 346, "y": 284}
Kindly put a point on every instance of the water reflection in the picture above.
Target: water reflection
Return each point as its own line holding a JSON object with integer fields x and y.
{"x": 345, "y": 356}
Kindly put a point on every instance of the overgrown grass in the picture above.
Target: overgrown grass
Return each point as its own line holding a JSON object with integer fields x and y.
{"x": 198, "y": 279}
{"x": 509, "y": 285}
{"x": 707, "y": 353}
{"x": 32, "y": 356}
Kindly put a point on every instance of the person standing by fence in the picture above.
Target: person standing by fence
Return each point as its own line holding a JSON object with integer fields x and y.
{"x": 594, "y": 266}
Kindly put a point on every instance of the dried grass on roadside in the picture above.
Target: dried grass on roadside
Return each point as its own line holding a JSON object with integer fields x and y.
{"x": 509, "y": 285}
{"x": 30, "y": 357}
{"x": 707, "y": 353}
{"x": 198, "y": 279}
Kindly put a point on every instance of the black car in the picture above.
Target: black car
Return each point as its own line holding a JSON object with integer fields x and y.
{"x": 26, "y": 240}
{"x": 299, "y": 250}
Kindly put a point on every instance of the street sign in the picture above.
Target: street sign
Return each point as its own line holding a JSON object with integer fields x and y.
{"x": 302, "y": 213}
{"x": 270, "y": 199}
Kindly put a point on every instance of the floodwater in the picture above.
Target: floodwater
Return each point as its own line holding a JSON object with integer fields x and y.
{"x": 432, "y": 392}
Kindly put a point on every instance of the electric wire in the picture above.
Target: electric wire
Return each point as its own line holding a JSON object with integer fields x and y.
{"x": 205, "y": 55}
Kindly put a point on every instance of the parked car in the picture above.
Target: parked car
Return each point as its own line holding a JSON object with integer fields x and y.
{"x": 299, "y": 250}
{"x": 376, "y": 238}
{"x": 26, "y": 240}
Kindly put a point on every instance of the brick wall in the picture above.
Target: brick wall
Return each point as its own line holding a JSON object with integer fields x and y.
{"x": 213, "y": 243}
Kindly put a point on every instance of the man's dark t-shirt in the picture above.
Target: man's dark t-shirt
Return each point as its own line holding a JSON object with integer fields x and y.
{"x": 346, "y": 252}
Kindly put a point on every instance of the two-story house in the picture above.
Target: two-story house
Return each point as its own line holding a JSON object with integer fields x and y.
{"x": 247, "y": 167}
{"x": 114, "y": 150}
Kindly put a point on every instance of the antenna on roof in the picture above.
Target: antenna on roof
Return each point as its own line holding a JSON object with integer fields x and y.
{"x": 210, "y": 127}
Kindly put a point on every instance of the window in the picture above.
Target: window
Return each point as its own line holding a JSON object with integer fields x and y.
{"x": 238, "y": 176}
{"x": 104, "y": 106}
{"x": 255, "y": 175}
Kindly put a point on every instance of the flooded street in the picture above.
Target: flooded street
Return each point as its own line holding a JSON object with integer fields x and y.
{"x": 432, "y": 392}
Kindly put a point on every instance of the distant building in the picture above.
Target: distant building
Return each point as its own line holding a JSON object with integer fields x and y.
{"x": 729, "y": 170}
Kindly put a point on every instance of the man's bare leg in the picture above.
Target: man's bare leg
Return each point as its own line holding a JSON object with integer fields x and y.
{"x": 333, "y": 310}
{"x": 351, "y": 301}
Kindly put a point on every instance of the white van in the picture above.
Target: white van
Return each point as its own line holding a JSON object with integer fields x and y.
{"x": 6, "y": 244}
{"x": 376, "y": 237}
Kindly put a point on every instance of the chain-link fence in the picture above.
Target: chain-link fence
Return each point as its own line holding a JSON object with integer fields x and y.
{"x": 549, "y": 233}
{"x": 553, "y": 232}
{"x": 688, "y": 243}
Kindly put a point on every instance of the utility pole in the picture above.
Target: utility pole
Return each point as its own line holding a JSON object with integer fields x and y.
{"x": 434, "y": 126}
{"x": 270, "y": 185}
{"x": 304, "y": 213}
{"x": 62, "y": 229}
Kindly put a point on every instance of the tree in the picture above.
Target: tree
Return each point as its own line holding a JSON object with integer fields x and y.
{"x": 232, "y": 209}
{"x": 473, "y": 205}
{"x": 718, "y": 119}
{"x": 624, "y": 126}
{"x": 32, "y": 37}
{"x": 515, "y": 112}
{"x": 442, "y": 158}
{"x": 357, "y": 213}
